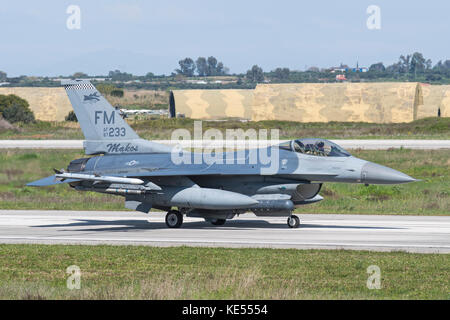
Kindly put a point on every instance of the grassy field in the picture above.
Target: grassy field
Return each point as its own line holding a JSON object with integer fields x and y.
{"x": 139, "y": 272}
{"x": 431, "y": 128}
{"x": 431, "y": 196}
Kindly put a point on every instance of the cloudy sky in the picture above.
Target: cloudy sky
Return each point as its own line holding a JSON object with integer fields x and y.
{"x": 143, "y": 36}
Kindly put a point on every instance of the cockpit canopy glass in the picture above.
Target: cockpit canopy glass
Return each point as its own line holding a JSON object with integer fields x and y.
{"x": 315, "y": 147}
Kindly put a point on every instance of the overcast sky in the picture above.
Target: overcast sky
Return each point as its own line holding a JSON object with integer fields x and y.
{"x": 152, "y": 36}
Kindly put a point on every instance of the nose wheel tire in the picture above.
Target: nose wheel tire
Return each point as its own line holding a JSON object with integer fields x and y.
{"x": 218, "y": 222}
{"x": 293, "y": 221}
{"x": 174, "y": 219}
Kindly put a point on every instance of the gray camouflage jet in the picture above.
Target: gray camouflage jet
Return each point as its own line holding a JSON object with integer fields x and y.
{"x": 146, "y": 175}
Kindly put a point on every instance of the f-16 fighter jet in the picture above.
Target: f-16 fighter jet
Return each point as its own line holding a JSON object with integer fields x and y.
{"x": 269, "y": 181}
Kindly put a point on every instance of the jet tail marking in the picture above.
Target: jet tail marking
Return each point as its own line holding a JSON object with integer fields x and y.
{"x": 97, "y": 118}
{"x": 103, "y": 127}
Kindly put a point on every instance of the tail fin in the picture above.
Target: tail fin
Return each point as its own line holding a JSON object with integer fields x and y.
{"x": 103, "y": 127}
{"x": 97, "y": 118}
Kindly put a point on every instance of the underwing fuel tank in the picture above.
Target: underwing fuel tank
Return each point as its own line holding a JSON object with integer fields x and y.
{"x": 273, "y": 207}
{"x": 203, "y": 198}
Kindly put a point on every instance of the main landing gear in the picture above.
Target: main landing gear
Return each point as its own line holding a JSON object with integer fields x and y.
{"x": 174, "y": 219}
{"x": 293, "y": 221}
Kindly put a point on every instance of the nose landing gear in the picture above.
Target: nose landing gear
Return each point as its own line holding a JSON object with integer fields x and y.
{"x": 293, "y": 221}
{"x": 174, "y": 219}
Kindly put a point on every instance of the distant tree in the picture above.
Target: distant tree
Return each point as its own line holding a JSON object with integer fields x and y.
{"x": 439, "y": 66}
{"x": 202, "y": 66}
{"x": 225, "y": 71}
{"x": 446, "y": 65}
{"x": 418, "y": 63}
{"x": 405, "y": 63}
{"x": 149, "y": 75}
{"x": 15, "y": 109}
{"x": 187, "y": 67}
{"x": 377, "y": 67}
{"x": 442, "y": 66}
{"x": 255, "y": 74}
{"x": 281, "y": 73}
{"x": 79, "y": 75}
{"x": 71, "y": 116}
{"x": 313, "y": 69}
{"x": 433, "y": 77}
{"x": 219, "y": 69}
{"x": 117, "y": 93}
{"x": 3, "y": 76}
{"x": 395, "y": 68}
{"x": 212, "y": 66}
{"x": 215, "y": 68}
{"x": 117, "y": 75}
{"x": 18, "y": 113}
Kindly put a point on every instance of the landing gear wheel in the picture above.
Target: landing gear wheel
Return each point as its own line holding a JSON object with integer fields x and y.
{"x": 174, "y": 219}
{"x": 293, "y": 221}
{"x": 218, "y": 222}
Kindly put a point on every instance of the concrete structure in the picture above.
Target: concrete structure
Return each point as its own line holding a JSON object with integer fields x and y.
{"x": 214, "y": 104}
{"x": 434, "y": 98}
{"x": 47, "y": 104}
{"x": 353, "y": 102}
{"x": 304, "y": 102}
{"x": 386, "y": 102}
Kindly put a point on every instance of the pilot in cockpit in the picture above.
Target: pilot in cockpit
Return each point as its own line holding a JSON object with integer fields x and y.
{"x": 319, "y": 146}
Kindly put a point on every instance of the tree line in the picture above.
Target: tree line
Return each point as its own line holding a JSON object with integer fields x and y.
{"x": 203, "y": 67}
{"x": 413, "y": 66}
{"x": 409, "y": 67}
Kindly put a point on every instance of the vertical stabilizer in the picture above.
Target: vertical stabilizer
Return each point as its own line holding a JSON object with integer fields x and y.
{"x": 97, "y": 118}
{"x": 103, "y": 127}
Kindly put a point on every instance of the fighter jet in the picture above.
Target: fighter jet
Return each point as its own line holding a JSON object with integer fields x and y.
{"x": 185, "y": 183}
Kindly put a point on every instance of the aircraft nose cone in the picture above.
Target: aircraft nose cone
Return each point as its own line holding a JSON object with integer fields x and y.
{"x": 377, "y": 174}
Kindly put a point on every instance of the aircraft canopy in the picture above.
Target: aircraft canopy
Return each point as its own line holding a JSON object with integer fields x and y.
{"x": 315, "y": 147}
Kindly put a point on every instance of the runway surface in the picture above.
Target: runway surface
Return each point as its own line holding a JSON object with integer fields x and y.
{"x": 359, "y": 232}
{"x": 347, "y": 144}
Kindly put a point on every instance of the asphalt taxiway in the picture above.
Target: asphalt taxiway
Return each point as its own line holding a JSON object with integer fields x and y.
{"x": 425, "y": 234}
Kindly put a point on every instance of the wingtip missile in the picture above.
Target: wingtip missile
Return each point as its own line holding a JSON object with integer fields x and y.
{"x": 90, "y": 177}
